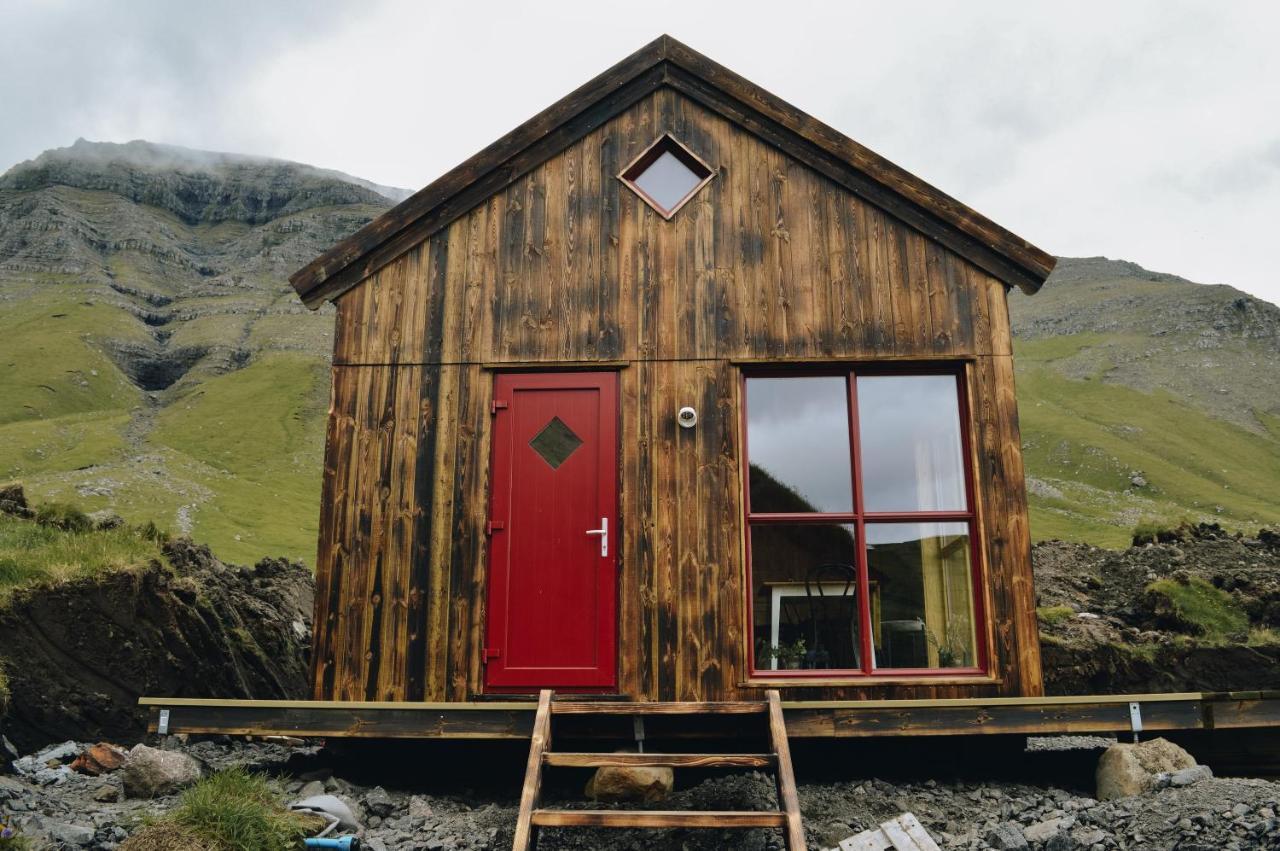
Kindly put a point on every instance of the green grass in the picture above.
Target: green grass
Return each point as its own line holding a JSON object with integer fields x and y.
{"x": 49, "y": 364}
{"x": 236, "y": 810}
{"x": 1084, "y": 437}
{"x": 1053, "y": 615}
{"x": 259, "y": 435}
{"x": 69, "y": 442}
{"x": 4, "y": 691}
{"x": 1204, "y": 610}
{"x": 33, "y": 554}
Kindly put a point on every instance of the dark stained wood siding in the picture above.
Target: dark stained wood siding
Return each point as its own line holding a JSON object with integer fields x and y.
{"x": 771, "y": 261}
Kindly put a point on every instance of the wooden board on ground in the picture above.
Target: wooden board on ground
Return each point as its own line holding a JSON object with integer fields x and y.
{"x": 904, "y": 833}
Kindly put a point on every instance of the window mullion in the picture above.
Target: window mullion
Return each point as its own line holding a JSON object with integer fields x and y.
{"x": 860, "y": 530}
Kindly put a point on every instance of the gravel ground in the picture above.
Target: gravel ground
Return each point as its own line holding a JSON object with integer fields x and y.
{"x": 1220, "y": 814}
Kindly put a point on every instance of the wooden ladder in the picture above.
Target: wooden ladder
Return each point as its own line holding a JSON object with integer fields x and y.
{"x": 532, "y": 816}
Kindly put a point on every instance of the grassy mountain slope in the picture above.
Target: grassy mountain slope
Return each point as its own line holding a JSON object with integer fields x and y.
{"x": 158, "y": 364}
{"x": 1143, "y": 397}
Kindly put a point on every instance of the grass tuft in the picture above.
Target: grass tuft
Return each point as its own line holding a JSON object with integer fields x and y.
{"x": 1053, "y": 615}
{"x": 34, "y": 554}
{"x": 237, "y": 810}
{"x": 1194, "y": 606}
{"x": 68, "y": 518}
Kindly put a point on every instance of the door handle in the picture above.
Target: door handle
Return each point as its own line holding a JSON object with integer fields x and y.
{"x": 603, "y": 532}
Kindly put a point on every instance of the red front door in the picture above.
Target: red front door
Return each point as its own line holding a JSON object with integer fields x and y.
{"x": 552, "y": 615}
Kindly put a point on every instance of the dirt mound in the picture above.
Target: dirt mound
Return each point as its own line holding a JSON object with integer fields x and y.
{"x": 1190, "y": 609}
{"x": 79, "y": 654}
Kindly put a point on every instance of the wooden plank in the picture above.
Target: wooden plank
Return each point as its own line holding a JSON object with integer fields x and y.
{"x": 1235, "y": 714}
{"x": 539, "y": 742}
{"x": 991, "y": 720}
{"x": 405, "y": 722}
{"x": 659, "y": 708}
{"x": 657, "y": 818}
{"x": 918, "y": 834}
{"x": 898, "y": 837}
{"x": 868, "y": 840}
{"x": 788, "y": 798}
{"x": 660, "y": 760}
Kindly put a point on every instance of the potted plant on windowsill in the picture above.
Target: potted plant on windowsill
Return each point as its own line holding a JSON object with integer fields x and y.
{"x": 790, "y": 656}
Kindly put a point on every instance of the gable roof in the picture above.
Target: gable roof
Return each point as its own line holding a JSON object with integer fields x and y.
{"x": 667, "y": 62}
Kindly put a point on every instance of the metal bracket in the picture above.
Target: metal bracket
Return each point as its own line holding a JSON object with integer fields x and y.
{"x": 162, "y": 723}
{"x": 637, "y": 726}
{"x": 1135, "y": 718}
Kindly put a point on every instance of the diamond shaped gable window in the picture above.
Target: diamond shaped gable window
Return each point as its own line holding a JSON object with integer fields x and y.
{"x": 555, "y": 443}
{"x": 666, "y": 175}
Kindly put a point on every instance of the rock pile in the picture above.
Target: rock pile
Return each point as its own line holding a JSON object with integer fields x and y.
{"x": 68, "y": 809}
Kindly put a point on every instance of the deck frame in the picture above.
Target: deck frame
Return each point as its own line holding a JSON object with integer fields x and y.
{"x": 1187, "y": 711}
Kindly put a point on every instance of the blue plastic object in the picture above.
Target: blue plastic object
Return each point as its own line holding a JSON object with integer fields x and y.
{"x": 341, "y": 843}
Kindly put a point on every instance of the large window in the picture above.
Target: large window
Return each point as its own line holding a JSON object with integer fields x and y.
{"x": 860, "y": 525}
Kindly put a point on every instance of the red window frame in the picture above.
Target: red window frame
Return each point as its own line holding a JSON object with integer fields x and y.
{"x": 859, "y": 518}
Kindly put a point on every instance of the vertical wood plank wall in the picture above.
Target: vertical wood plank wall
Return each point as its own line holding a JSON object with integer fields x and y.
{"x": 770, "y": 261}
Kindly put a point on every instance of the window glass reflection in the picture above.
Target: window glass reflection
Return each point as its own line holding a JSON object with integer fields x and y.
{"x": 923, "y": 576}
{"x": 804, "y": 597}
{"x": 909, "y": 427}
{"x": 798, "y": 443}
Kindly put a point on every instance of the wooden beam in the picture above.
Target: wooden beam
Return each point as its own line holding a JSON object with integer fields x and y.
{"x": 745, "y": 707}
{"x": 788, "y": 797}
{"x": 656, "y": 818}
{"x": 804, "y": 719}
{"x": 335, "y": 721}
{"x": 660, "y": 760}
{"x": 539, "y": 743}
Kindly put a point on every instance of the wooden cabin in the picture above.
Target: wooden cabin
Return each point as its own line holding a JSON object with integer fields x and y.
{"x": 674, "y": 393}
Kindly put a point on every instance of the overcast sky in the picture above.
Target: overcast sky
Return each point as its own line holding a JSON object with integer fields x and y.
{"x": 1148, "y": 131}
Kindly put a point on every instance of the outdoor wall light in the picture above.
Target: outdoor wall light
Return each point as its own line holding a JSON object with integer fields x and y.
{"x": 688, "y": 417}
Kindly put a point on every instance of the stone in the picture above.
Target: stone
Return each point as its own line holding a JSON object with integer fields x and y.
{"x": 105, "y": 520}
{"x": 69, "y": 835}
{"x": 100, "y": 759}
{"x": 420, "y": 808}
{"x": 1189, "y": 776}
{"x": 108, "y": 794}
{"x": 1043, "y": 831}
{"x": 1132, "y": 769}
{"x": 1063, "y": 841}
{"x": 13, "y": 500}
{"x": 1088, "y": 837}
{"x": 378, "y": 803}
{"x": 1006, "y": 836}
{"x": 150, "y": 773}
{"x": 630, "y": 783}
{"x": 311, "y": 789}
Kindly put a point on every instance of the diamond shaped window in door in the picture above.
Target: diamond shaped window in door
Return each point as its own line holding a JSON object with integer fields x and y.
{"x": 666, "y": 175}
{"x": 555, "y": 443}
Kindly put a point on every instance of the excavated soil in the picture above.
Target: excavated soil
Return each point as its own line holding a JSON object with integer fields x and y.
{"x": 79, "y": 654}
{"x": 1103, "y": 631}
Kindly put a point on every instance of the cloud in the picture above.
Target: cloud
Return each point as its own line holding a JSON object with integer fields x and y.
{"x": 1145, "y": 130}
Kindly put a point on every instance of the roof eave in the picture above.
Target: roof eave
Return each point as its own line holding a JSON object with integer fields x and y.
{"x": 666, "y": 61}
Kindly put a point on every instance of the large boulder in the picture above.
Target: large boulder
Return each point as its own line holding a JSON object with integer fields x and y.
{"x": 151, "y": 773}
{"x": 631, "y": 783}
{"x": 1125, "y": 769}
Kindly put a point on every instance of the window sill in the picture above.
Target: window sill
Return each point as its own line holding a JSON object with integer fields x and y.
{"x": 970, "y": 679}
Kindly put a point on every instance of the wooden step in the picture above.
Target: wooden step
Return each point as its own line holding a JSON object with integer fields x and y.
{"x": 588, "y": 707}
{"x": 660, "y": 760}
{"x": 658, "y": 818}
